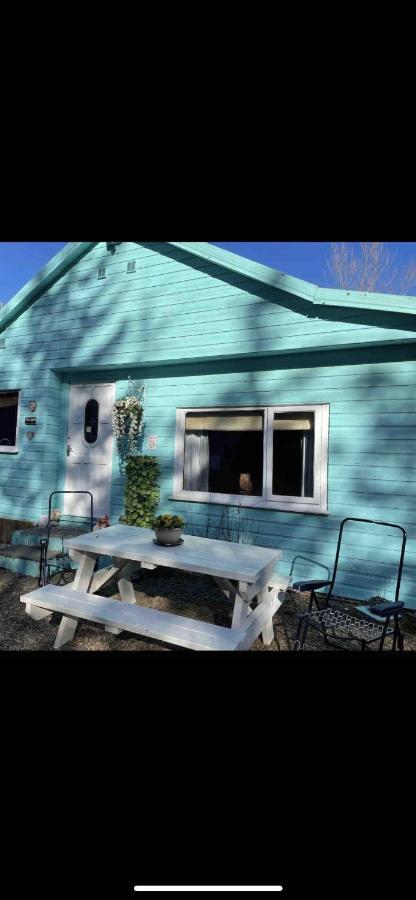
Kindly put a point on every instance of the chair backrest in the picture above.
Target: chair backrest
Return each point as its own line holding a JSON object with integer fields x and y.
{"x": 73, "y": 519}
{"x": 369, "y": 560}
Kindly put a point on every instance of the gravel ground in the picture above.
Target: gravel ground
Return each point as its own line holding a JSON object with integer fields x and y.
{"x": 162, "y": 589}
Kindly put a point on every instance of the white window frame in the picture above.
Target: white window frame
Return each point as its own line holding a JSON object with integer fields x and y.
{"x": 317, "y": 504}
{"x": 5, "y": 448}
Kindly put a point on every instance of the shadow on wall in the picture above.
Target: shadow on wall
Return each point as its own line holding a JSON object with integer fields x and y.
{"x": 373, "y": 422}
{"x": 371, "y": 451}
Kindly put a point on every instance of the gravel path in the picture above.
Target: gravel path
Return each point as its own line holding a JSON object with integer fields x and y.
{"x": 162, "y": 589}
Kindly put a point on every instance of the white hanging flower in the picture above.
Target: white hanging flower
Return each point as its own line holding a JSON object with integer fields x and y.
{"x": 127, "y": 423}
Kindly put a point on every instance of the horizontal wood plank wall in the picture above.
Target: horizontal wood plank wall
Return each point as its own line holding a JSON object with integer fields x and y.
{"x": 178, "y": 307}
{"x": 182, "y": 326}
{"x": 27, "y": 477}
{"x": 371, "y": 452}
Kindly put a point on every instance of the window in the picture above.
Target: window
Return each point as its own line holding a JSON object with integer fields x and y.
{"x": 223, "y": 453}
{"x": 102, "y": 273}
{"x": 9, "y": 409}
{"x": 293, "y": 454}
{"x": 92, "y": 410}
{"x": 131, "y": 267}
{"x": 272, "y": 457}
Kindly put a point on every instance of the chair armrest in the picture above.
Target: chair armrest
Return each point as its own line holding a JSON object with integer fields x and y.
{"x": 309, "y": 585}
{"x": 386, "y": 609}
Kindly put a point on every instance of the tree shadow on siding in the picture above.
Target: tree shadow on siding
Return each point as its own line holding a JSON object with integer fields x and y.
{"x": 102, "y": 357}
{"x": 353, "y": 491}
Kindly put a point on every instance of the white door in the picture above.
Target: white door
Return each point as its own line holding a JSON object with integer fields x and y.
{"x": 89, "y": 448}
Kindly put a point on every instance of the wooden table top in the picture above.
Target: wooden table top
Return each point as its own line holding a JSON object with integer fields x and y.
{"x": 239, "y": 562}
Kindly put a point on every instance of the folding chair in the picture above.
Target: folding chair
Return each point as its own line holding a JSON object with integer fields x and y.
{"x": 346, "y": 618}
{"x": 61, "y": 561}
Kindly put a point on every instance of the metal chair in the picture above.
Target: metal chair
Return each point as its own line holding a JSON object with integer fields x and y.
{"x": 348, "y": 619}
{"x": 60, "y": 561}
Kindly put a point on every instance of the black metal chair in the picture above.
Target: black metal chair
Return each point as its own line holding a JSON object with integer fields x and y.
{"x": 345, "y": 618}
{"x": 60, "y": 560}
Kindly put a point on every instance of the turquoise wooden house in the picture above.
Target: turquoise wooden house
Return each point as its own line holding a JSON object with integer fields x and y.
{"x": 271, "y": 403}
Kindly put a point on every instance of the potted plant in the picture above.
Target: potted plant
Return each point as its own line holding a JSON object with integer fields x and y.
{"x": 168, "y": 529}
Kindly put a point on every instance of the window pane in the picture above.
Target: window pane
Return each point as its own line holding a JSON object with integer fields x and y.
{"x": 91, "y": 421}
{"x": 293, "y": 454}
{"x": 224, "y": 453}
{"x": 8, "y": 418}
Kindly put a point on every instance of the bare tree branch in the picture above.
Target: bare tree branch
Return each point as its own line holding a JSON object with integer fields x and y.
{"x": 369, "y": 266}
{"x": 408, "y": 281}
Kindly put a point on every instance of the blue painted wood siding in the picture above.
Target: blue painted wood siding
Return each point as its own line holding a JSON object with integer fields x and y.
{"x": 372, "y": 447}
{"x": 184, "y": 328}
{"x": 177, "y": 307}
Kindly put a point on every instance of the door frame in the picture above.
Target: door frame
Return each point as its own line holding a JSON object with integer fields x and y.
{"x": 87, "y": 384}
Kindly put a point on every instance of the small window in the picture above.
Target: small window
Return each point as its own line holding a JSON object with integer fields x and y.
{"x": 224, "y": 453}
{"x": 293, "y": 454}
{"x": 275, "y": 457}
{"x": 102, "y": 272}
{"x": 92, "y": 411}
{"x": 9, "y": 405}
{"x": 131, "y": 266}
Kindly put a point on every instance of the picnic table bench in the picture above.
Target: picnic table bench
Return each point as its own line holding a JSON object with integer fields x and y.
{"x": 242, "y": 572}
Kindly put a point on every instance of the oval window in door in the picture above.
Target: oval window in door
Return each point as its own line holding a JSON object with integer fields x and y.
{"x": 92, "y": 410}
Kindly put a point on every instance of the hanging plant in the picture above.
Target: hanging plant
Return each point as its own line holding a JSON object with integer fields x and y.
{"x": 127, "y": 424}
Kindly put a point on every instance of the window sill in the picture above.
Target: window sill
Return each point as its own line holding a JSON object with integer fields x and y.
{"x": 9, "y": 449}
{"x": 250, "y": 503}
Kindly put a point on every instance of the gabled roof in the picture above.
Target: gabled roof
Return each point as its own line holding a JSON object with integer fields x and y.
{"x": 317, "y": 296}
{"x": 50, "y": 273}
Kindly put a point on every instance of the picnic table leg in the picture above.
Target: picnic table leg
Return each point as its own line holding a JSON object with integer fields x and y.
{"x": 268, "y": 632}
{"x": 126, "y": 591}
{"x": 241, "y": 608}
{"x": 81, "y": 582}
{"x": 36, "y": 613}
{"x": 242, "y": 611}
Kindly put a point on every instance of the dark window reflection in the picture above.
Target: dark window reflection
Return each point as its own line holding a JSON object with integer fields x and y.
{"x": 91, "y": 421}
{"x": 293, "y": 454}
{"x": 9, "y": 402}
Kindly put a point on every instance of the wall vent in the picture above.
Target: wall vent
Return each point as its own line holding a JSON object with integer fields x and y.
{"x": 102, "y": 272}
{"x": 131, "y": 266}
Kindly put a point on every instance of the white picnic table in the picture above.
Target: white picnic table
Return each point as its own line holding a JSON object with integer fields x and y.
{"x": 243, "y": 572}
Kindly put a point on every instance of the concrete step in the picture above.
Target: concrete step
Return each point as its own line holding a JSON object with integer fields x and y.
{"x": 24, "y": 559}
{"x": 22, "y": 551}
{"x": 23, "y": 554}
{"x": 31, "y": 536}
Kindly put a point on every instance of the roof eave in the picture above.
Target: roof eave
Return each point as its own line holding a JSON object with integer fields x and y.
{"x": 253, "y": 270}
{"x": 307, "y": 290}
{"x": 71, "y": 253}
{"x": 317, "y": 296}
{"x": 365, "y": 300}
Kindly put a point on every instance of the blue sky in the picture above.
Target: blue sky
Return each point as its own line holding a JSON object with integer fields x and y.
{"x": 19, "y": 261}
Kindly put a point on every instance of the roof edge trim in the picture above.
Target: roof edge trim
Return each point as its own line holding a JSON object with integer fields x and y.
{"x": 71, "y": 253}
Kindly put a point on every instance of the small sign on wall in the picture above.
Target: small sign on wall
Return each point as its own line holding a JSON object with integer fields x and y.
{"x": 152, "y": 442}
{"x": 30, "y": 420}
